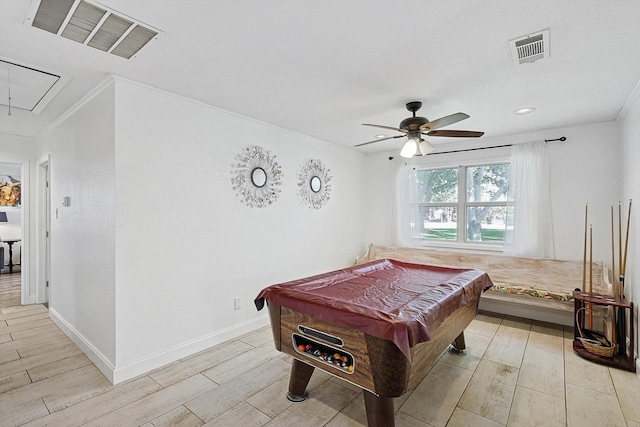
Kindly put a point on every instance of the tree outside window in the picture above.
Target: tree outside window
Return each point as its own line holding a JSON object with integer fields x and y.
{"x": 439, "y": 214}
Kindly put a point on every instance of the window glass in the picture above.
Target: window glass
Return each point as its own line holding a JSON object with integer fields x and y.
{"x": 437, "y": 185}
{"x": 440, "y": 214}
{"x": 486, "y": 223}
{"x": 439, "y": 222}
{"x": 488, "y": 183}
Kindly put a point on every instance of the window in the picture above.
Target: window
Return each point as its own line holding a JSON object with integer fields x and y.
{"x": 463, "y": 204}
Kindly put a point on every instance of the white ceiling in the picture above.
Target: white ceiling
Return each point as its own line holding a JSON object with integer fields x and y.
{"x": 324, "y": 67}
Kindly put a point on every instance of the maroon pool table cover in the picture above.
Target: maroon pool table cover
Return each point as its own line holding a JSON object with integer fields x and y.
{"x": 388, "y": 299}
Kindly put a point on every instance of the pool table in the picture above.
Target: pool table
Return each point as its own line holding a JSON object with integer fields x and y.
{"x": 380, "y": 326}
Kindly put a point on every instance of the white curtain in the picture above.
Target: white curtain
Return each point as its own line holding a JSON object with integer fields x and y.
{"x": 403, "y": 212}
{"x": 531, "y": 231}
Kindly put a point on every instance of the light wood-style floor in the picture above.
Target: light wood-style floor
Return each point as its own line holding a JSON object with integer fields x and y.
{"x": 515, "y": 372}
{"x": 9, "y": 289}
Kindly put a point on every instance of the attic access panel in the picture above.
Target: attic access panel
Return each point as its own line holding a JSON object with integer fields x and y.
{"x": 31, "y": 89}
{"x": 91, "y": 24}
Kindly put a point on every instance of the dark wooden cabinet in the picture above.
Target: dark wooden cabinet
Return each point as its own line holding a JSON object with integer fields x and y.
{"x": 582, "y": 300}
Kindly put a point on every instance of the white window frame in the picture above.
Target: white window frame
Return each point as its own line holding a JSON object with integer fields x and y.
{"x": 461, "y": 206}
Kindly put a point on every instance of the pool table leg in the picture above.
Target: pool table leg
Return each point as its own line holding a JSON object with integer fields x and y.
{"x": 458, "y": 344}
{"x": 380, "y": 410}
{"x": 298, "y": 380}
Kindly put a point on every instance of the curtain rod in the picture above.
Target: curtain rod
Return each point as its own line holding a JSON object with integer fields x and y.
{"x": 562, "y": 138}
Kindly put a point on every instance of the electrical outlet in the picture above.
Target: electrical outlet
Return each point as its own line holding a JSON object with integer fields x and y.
{"x": 236, "y": 303}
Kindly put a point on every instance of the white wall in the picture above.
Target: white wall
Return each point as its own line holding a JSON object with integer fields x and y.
{"x": 583, "y": 169}
{"x": 187, "y": 246}
{"x": 21, "y": 152}
{"x": 82, "y": 167}
{"x": 630, "y": 161}
{"x": 155, "y": 247}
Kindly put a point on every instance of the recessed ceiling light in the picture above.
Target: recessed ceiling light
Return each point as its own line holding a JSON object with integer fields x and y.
{"x": 527, "y": 110}
{"x": 381, "y": 135}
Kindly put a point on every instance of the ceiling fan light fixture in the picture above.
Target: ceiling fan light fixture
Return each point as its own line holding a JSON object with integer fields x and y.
{"x": 409, "y": 149}
{"x": 425, "y": 147}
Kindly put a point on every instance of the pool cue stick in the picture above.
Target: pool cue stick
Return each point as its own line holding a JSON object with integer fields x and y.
{"x": 622, "y": 317}
{"x": 590, "y": 275}
{"x": 613, "y": 280}
{"x": 613, "y": 258}
{"x": 584, "y": 254}
{"x": 620, "y": 288}
{"x": 623, "y": 268}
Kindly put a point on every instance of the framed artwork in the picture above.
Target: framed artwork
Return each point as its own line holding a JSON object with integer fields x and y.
{"x": 10, "y": 191}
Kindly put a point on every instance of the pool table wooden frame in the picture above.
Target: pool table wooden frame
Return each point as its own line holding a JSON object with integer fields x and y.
{"x": 380, "y": 368}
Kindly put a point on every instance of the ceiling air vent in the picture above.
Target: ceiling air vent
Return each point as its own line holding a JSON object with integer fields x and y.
{"x": 530, "y": 48}
{"x": 91, "y": 24}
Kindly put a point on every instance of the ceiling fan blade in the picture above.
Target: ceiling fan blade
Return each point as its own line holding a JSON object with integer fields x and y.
{"x": 456, "y": 133}
{"x": 385, "y": 127}
{"x": 444, "y": 121}
{"x": 378, "y": 140}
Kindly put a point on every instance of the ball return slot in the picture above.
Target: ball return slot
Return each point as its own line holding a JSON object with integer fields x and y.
{"x": 328, "y": 355}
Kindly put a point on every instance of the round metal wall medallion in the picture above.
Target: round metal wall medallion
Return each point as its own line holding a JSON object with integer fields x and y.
{"x": 257, "y": 177}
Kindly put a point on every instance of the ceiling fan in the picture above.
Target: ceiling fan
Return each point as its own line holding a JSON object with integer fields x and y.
{"x": 414, "y": 127}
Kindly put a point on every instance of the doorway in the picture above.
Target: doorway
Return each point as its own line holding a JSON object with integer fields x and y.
{"x": 12, "y": 234}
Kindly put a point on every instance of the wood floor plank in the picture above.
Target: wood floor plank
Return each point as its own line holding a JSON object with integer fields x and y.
{"x": 162, "y": 401}
{"x": 5, "y": 338}
{"x": 550, "y": 410}
{"x": 84, "y": 383}
{"x": 18, "y": 308}
{"x": 29, "y": 318}
{"x": 243, "y": 415}
{"x": 23, "y": 343}
{"x": 271, "y": 401}
{"x": 23, "y": 413}
{"x": 258, "y": 338}
{"x": 180, "y": 417}
{"x": 37, "y": 360}
{"x": 10, "y": 329}
{"x": 490, "y": 391}
{"x": 543, "y": 364}
{"x": 14, "y": 381}
{"x": 627, "y": 385}
{"x": 99, "y": 405}
{"x": 322, "y": 405}
{"x": 51, "y": 327}
{"x": 58, "y": 367}
{"x": 28, "y": 311}
{"x": 222, "y": 398}
{"x": 586, "y": 407}
{"x": 508, "y": 344}
{"x": 428, "y": 403}
{"x": 226, "y": 371}
{"x": 49, "y": 344}
{"x": 9, "y": 356}
{"x": 39, "y": 389}
{"x": 202, "y": 361}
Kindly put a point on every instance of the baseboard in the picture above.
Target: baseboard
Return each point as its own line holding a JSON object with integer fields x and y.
{"x": 155, "y": 361}
{"x": 526, "y": 311}
{"x": 98, "y": 359}
{"x": 638, "y": 367}
{"x": 118, "y": 374}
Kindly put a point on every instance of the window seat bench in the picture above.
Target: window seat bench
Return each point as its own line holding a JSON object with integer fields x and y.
{"x": 532, "y": 288}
